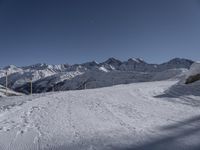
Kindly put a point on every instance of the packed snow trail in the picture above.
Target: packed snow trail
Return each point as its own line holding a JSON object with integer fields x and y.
{"x": 115, "y": 118}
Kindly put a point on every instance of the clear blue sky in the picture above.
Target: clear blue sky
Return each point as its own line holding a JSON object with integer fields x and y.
{"x": 75, "y": 31}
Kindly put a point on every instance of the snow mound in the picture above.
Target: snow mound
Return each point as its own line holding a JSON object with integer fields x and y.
{"x": 187, "y": 87}
{"x": 194, "y": 69}
{"x": 193, "y": 74}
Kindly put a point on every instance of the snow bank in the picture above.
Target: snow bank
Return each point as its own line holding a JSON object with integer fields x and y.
{"x": 188, "y": 85}
{"x": 193, "y": 74}
{"x": 194, "y": 69}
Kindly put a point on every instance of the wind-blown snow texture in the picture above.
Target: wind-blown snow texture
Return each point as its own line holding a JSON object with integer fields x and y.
{"x": 90, "y": 75}
{"x": 121, "y": 117}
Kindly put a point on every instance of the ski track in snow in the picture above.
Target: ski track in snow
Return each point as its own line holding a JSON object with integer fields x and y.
{"x": 118, "y": 117}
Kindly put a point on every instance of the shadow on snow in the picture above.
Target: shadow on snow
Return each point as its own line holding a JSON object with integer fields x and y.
{"x": 183, "y": 94}
{"x": 183, "y": 135}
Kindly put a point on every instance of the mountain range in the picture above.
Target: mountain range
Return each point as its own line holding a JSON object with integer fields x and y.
{"x": 47, "y": 78}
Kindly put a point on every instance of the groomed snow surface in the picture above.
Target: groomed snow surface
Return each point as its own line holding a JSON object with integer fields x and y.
{"x": 138, "y": 116}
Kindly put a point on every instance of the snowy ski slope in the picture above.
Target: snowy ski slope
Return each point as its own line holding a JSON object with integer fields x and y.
{"x": 138, "y": 116}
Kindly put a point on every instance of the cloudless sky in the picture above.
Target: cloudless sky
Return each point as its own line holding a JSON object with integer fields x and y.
{"x": 76, "y": 31}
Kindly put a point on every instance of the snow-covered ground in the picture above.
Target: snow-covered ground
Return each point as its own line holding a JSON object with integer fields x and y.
{"x": 138, "y": 116}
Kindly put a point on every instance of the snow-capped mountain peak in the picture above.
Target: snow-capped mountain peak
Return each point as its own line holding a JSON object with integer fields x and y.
{"x": 10, "y": 67}
{"x": 112, "y": 61}
{"x": 111, "y": 64}
{"x": 38, "y": 66}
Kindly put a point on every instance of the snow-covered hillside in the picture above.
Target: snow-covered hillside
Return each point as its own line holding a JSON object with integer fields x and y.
{"x": 17, "y": 76}
{"x": 49, "y": 83}
{"x": 96, "y": 78}
{"x": 123, "y": 117}
{"x": 9, "y": 92}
